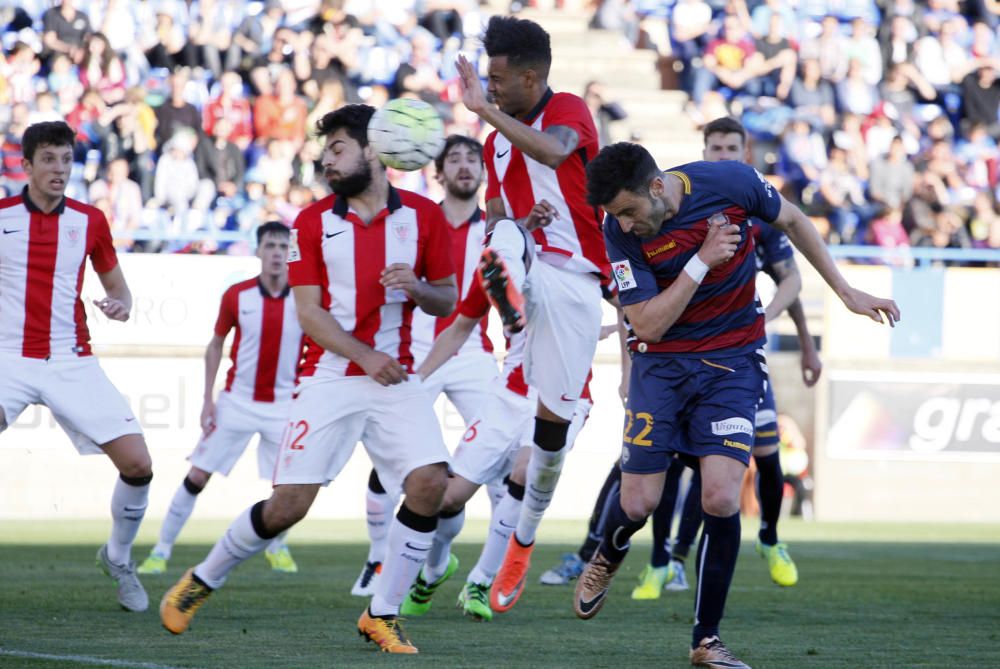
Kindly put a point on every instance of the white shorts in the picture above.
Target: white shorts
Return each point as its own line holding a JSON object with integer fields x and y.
{"x": 490, "y": 443}
{"x": 465, "y": 380}
{"x": 236, "y": 422}
{"x": 396, "y": 424}
{"x": 81, "y": 398}
{"x": 564, "y": 323}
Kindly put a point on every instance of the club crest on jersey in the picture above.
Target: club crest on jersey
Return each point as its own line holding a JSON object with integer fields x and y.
{"x": 73, "y": 235}
{"x": 622, "y": 271}
{"x": 718, "y": 219}
{"x": 402, "y": 231}
{"x": 293, "y": 246}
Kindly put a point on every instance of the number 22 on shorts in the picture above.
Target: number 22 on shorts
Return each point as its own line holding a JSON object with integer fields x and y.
{"x": 639, "y": 439}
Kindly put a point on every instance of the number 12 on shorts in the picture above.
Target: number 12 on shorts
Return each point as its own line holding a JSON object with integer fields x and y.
{"x": 640, "y": 438}
{"x": 295, "y": 433}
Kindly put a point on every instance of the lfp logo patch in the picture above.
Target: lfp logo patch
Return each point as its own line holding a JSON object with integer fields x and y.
{"x": 623, "y": 275}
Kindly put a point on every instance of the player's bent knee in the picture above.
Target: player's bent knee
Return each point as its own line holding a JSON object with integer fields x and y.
{"x": 637, "y": 508}
{"x": 288, "y": 505}
{"x": 425, "y": 488}
{"x": 720, "y": 502}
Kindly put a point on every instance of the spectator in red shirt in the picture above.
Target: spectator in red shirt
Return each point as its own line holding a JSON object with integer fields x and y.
{"x": 232, "y": 106}
{"x": 102, "y": 69}
{"x": 729, "y": 61}
{"x": 281, "y": 115}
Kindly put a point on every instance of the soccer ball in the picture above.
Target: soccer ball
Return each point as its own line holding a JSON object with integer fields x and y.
{"x": 406, "y": 133}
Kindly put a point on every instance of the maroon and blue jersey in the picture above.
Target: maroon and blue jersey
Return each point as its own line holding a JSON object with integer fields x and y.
{"x": 771, "y": 245}
{"x": 724, "y": 317}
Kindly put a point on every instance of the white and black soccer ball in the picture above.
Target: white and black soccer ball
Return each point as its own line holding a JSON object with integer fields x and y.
{"x": 406, "y": 133}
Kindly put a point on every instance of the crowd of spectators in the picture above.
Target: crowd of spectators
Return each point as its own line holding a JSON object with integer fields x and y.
{"x": 195, "y": 116}
{"x": 881, "y": 119}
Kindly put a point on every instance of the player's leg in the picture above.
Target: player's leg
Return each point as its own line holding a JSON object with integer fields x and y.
{"x": 441, "y": 563}
{"x": 687, "y": 532}
{"x": 379, "y": 505}
{"x": 180, "y": 509}
{"x": 571, "y": 564}
{"x": 271, "y": 419}
{"x": 503, "y": 269}
{"x": 659, "y": 571}
{"x": 771, "y": 489}
{"x": 403, "y": 440}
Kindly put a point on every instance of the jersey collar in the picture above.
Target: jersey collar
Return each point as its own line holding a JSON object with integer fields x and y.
{"x": 263, "y": 291}
{"x": 394, "y": 202}
{"x": 33, "y": 208}
{"x": 537, "y": 109}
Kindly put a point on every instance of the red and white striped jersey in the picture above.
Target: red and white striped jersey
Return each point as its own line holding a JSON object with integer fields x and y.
{"x": 573, "y": 240}
{"x": 267, "y": 344}
{"x": 333, "y": 248}
{"x": 42, "y": 260}
{"x": 466, "y": 247}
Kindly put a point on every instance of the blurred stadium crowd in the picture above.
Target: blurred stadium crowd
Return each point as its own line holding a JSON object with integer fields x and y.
{"x": 881, "y": 119}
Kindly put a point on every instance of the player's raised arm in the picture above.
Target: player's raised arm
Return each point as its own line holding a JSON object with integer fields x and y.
{"x": 320, "y": 325}
{"x": 804, "y": 236}
{"x": 549, "y": 147}
{"x": 118, "y": 301}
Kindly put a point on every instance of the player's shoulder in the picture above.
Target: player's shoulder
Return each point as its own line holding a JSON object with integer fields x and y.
{"x": 564, "y": 100}
{"x": 423, "y": 206}
{"x": 11, "y": 201}
{"x": 92, "y": 213}
{"x": 313, "y": 213}
{"x": 240, "y": 286}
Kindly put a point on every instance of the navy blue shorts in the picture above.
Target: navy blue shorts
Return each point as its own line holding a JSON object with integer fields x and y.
{"x": 694, "y": 407}
{"x": 766, "y": 422}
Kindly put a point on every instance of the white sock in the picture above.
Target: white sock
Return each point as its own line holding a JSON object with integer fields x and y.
{"x": 180, "y": 510}
{"x": 407, "y": 550}
{"x": 240, "y": 543}
{"x": 496, "y": 491}
{"x": 540, "y": 483}
{"x": 378, "y": 514}
{"x": 278, "y": 542}
{"x": 128, "y": 506}
{"x": 508, "y": 241}
{"x": 501, "y": 525}
{"x": 437, "y": 558}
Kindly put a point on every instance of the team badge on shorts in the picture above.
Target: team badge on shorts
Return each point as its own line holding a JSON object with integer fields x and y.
{"x": 623, "y": 275}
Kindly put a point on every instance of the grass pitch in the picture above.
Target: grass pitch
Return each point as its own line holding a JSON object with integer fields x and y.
{"x": 870, "y": 596}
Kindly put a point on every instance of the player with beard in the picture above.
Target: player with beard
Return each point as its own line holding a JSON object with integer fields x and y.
{"x": 466, "y": 376}
{"x": 361, "y": 261}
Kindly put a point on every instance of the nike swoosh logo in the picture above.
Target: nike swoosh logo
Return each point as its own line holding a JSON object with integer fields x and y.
{"x": 334, "y": 234}
{"x": 246, "y": 312}
{"x": 8, "y": 232}
{"x": 129, "y": 420}
{"x": 586, "y": 606}
{"x": 503, "y": 524}
{"x": 567, "y": 399}
{"x": 505, "y": 600}
{"x": 501, "y": 155}
{"x": 415, "y": 548}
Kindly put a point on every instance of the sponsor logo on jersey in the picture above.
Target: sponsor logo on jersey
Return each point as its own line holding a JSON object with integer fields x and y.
{"x": 622, "y": 271}
{"x": 293, "y": 246}
{"x": 661, "y": 249}
{"x": 734, "y": 425}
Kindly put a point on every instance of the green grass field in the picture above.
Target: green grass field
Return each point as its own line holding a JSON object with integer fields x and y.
{"x": 873, "y": 595}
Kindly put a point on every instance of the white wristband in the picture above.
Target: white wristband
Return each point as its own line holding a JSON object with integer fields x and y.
{"x": 696, "y": 269}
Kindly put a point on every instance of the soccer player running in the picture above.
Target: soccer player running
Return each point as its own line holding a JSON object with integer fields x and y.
{"x": 682, "y": 255}
{"x": 467, "y": 374}
{"x": 535, "y": 164}
{"x": 725, "y": 139}
{"x": 45, "y": 349}
{"x": 265, "y": 355}
{"x": 360, "y": 261}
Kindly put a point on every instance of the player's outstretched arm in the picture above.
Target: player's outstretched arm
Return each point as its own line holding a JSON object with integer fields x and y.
{"x": 118, "y": 302}
{"x": 810, "y": 362}
{"x": 652, "y": 318}
{"x": 447, "y": 344}
{"x": 550, "y": 147}
{"x": 803, "y": 235}
{"x": 789, "y": 287}
{"x": 324, "y": 329}
{"x": 213, "y": 358}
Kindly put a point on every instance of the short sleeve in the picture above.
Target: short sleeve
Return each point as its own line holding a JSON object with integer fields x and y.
{"x": 228, "y": 309}
{"x": 100, "y": 247}
{"x": 492, "y": 181}
{"x": 571, "y": 112}
{"x": 436, "y": 263}
{"x": 749, "y": 189}
{"x": 305, "y": 256}
{"x": 774, "y": 244}
{"x": 474, "y": 305}
{"x": 633, "y": 278}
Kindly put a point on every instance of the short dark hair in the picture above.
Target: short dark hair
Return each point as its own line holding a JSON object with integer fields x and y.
{"x": 457, "y": 140}
{"x": 272, "y": 228}
{"x": 353, "y": 118}
{"x": 46, "y": 133}
{"x": 523, "y": 42}
{"x": 725, "y": 126}
{"x": 618, "y": 167}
